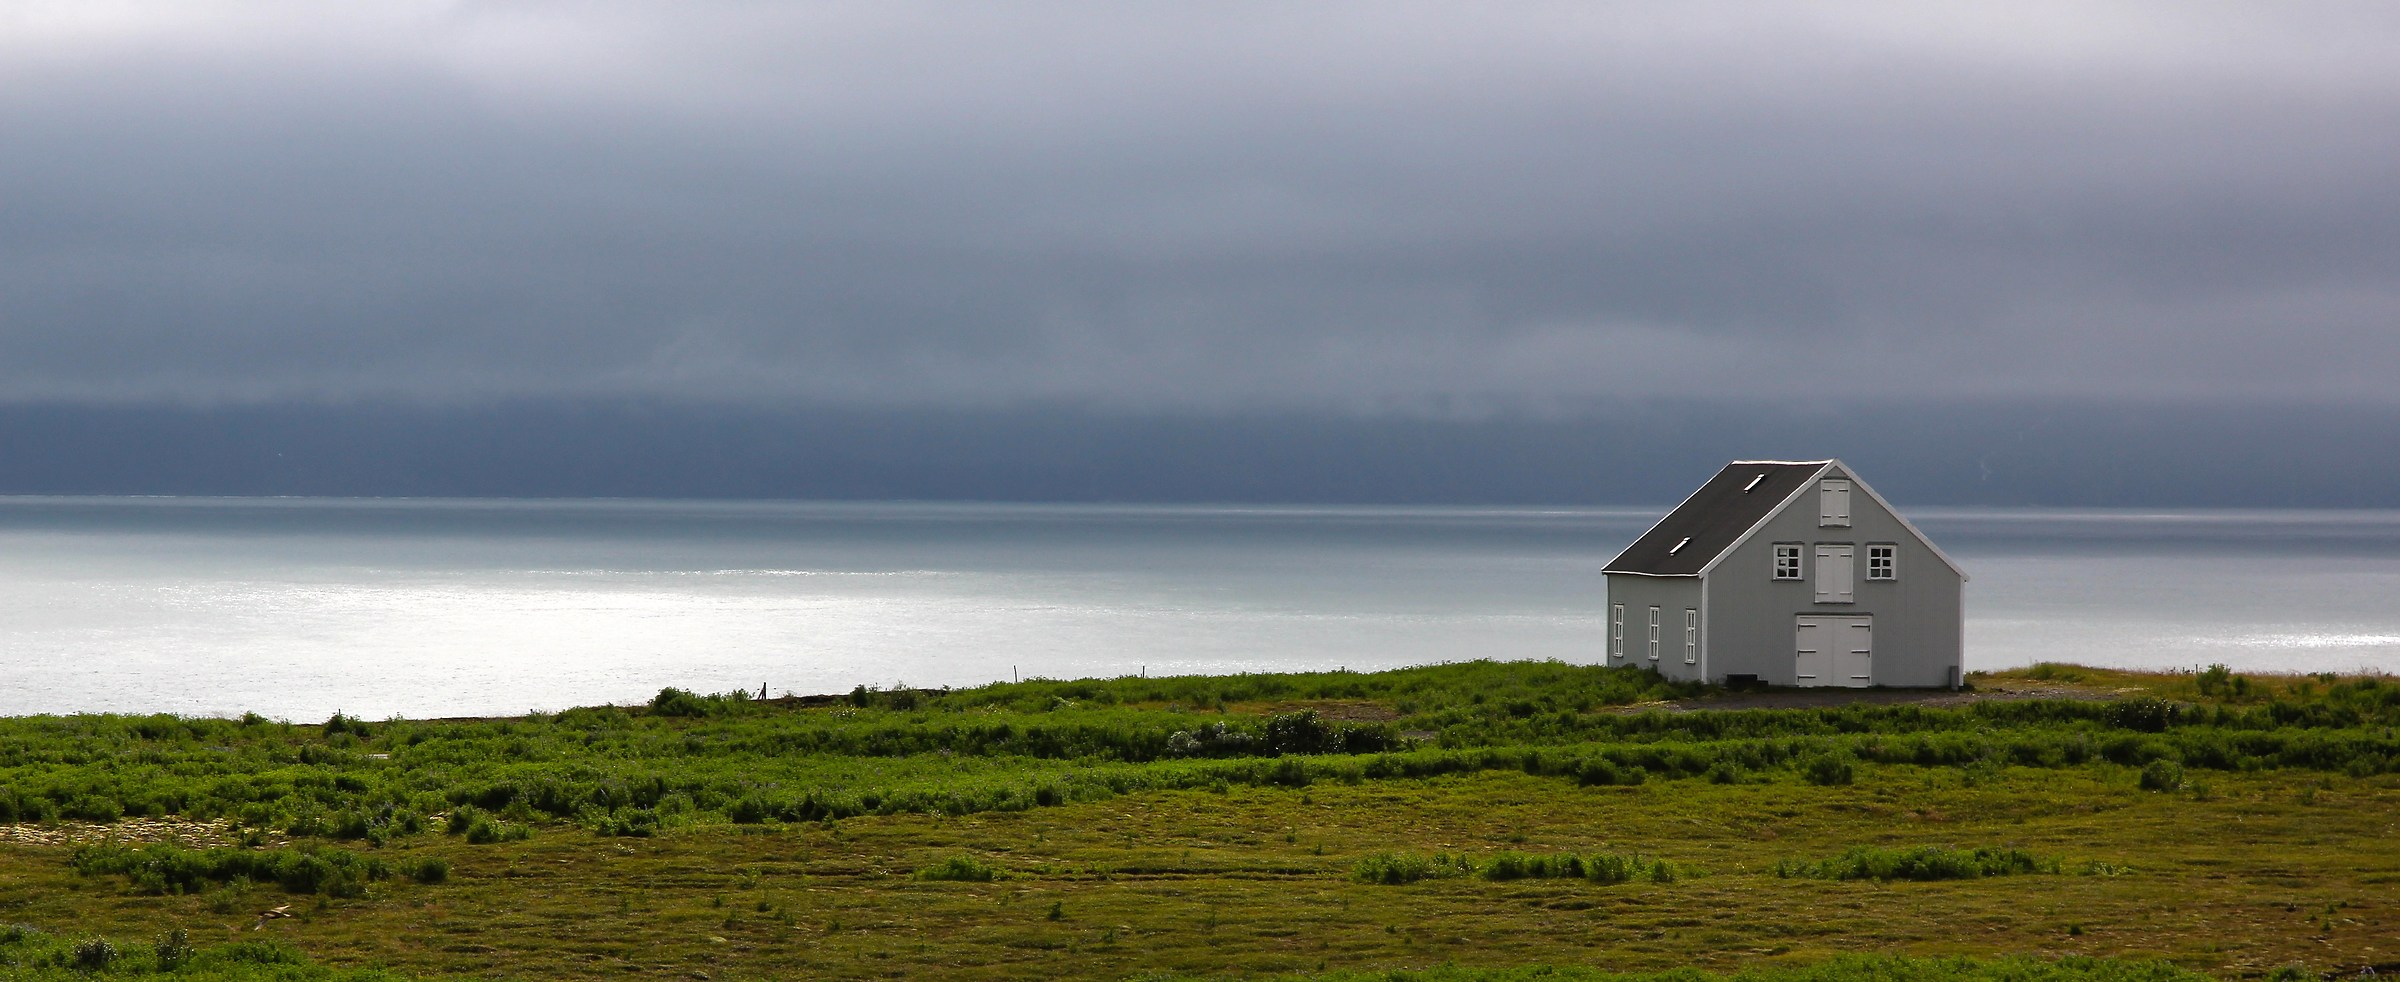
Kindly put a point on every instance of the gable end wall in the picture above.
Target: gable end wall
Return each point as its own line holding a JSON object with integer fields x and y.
{"x": 1751, "y": 616}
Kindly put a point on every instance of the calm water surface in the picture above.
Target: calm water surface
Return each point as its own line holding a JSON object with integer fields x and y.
{"x": 299, "y": 607}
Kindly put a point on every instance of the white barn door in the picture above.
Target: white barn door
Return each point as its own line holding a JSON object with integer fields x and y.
{"x": 1834, "y": 650}
{"x": 1854, "y": 657}
{"x": 1816, "y": 659}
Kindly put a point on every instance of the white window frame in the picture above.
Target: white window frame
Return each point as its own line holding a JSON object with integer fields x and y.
{"x": 1790, "y": 551}
{"x": 1616, "y": 630}
{"x": 1654, "y": 610}
{"x": 1883, "y": 562}
{"x": 1691, "y": 635}
{"x": 1833, "y": 504}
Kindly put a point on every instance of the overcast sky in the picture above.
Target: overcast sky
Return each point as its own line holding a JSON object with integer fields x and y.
{"x": 1374, "y": 208}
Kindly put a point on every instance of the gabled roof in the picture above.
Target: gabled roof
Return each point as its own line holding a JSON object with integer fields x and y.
{"x": 1725, "y": 511}
{"x": 1717, "y": 517}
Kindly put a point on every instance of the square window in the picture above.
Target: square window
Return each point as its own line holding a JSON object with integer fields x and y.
{"x": 1787, "y": 560}
{"x": 1881, "y": 562}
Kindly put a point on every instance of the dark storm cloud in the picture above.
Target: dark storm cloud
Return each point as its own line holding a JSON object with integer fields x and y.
{"x": 1379, "y": 207}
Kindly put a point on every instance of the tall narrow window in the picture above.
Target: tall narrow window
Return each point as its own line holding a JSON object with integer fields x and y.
{"x": 1654, "y": 634}
{"x": 1881, "y": 562}
{"x": 1787, "y": 560}
{"x": 1691, "y": 636}
{"x": 1616, "y": 630}
{"x": 1833, "y": 504}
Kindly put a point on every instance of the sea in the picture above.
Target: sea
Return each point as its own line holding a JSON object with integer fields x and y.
{"x": 297, "y": 608}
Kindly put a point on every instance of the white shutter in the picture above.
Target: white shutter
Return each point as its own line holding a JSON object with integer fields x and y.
{"x": 1833, "y": 504}
{"x": 1834, "y": 573}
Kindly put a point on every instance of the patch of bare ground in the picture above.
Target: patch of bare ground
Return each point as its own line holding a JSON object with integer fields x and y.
{"x": 1346, "y": 710}
{"x": 180, "y": 831}
{"x": 1825, "y": 698}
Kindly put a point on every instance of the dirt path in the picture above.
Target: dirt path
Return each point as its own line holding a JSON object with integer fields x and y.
{"x": 1819, "y": 698}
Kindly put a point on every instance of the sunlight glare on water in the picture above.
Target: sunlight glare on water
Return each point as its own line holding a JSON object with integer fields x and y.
{"x": 299, "y": 607}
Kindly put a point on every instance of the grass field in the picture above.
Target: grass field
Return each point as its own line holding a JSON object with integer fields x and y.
{"x": 2196, "y": 822}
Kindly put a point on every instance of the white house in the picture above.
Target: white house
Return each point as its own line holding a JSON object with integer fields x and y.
{"x": 1788, "y": 573}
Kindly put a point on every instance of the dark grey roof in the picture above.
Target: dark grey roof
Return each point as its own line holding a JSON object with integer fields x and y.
{"x": 1714, "y": 517}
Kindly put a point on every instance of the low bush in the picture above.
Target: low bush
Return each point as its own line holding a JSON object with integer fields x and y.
{"x": 2220, "y": 682}
{"x": 481, "y": 827}
{"x": 431, "y": 869}
{"x": 963, "y": 869}
{"x": 1602, "y": 868}
{"x": 750, "y": 810}
{"x": 1920, "y": 863}
{"x": 162, "y": 868}
{"x": 35, "y": 956}
{"x": 2162, "y": 775}
{"x": 94, "y": 955}
{"x": 1395, "y": 868}
{"x": 672, "y": 701}
{"x": 173, "y": 949}
{"x": 1829, "y": 769}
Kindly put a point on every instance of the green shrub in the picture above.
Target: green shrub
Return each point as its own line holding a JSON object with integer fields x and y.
{"x": 1602, "y": 868}
{"x": 1920, "y": 863}
{"x": 431, "y": 869}
{"x": 173, "y": 949}
{"x": 2218, "y": 681}
{"x": 2162, "y": 775}
{"x": 93, "y": 955}
{"x": 964, "y": 869}
{"x": 1395, "y": 868}
{"x": 672, "y": 701}
{"x": 629, "y": 822}
{"x": 486, "y": 830}
{"x": 482, "y": 828}
{"x": 1829, "y": 769}
{"x": 750, "y": 810}
{"x": 2145, "y": 713}
{"x": 161, "y": 868}
{"x": 95, "y": 808}
{"x": 339, "y": 724}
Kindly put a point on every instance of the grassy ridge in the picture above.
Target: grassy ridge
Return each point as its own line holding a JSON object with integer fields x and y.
{"x": 1845, "y": 969}
{"x": 1488, "y": 814}
{"x": 1016, "y": 746}
{"x": 35, "y": 956}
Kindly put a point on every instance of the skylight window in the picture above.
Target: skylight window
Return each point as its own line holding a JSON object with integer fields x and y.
{"x": 1753, "y": 483}
{"x": 1679, "y": 544}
